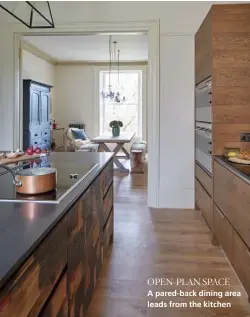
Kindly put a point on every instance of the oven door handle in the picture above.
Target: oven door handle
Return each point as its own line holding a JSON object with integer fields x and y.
{"x": 204, "y": 131}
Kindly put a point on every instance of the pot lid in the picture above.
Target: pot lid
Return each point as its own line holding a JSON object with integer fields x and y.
{"x": 39, "y": 171}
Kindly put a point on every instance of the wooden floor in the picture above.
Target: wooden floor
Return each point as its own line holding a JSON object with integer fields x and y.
{"x": 159, "y": 244}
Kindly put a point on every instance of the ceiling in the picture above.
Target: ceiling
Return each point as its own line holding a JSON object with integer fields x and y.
{"x": 91, "y": 48}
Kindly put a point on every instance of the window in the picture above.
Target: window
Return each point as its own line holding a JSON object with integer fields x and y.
{"x": 129, "y": 111}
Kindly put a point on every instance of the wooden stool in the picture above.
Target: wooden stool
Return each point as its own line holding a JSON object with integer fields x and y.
{"x": 137, "y": 157}
{"x": 137, "y": 165}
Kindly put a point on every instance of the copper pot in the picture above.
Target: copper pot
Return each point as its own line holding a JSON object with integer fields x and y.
{"x": 35, "y": 180}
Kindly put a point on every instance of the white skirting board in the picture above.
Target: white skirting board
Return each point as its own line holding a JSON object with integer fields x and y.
{"x": 176, "y": 198}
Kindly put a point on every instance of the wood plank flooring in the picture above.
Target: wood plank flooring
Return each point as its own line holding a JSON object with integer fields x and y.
{"x": 159, "y": 244}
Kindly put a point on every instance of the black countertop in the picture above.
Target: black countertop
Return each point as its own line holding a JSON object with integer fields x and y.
{"x": 240, "y": 170}
{"x": 24, "y": 225}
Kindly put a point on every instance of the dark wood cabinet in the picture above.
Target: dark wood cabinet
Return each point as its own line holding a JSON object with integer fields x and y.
{"x": 87, "y": 240}
{"x": 85, "y": 247}
{"x": 59, "y": 278}
{"x": 29, "y": 289}
{"x": 36, "y": 114}
{"x": 57, "y": 305}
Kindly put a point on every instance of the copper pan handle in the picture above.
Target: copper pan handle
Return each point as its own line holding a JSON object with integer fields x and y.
{"x": 16, "y": 181}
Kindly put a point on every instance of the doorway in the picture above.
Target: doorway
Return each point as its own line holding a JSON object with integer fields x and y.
{"x": 152, "y": 28}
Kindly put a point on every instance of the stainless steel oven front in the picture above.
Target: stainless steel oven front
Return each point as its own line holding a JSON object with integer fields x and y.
{"x": 203, "y": 145}
{"x": 203, "y": 101}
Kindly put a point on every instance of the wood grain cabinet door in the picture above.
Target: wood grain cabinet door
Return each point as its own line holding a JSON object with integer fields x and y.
{"x": 223, "y": 232}
{"x": 203, "y": 50}
{"x": 107, "y": 177}
{"x": 108, "y": 231}
{"x": 84, "y": 232}
{"x": 28, "y": 290}
{"x": 242, "y": 262}
{"x": 205, "y": 203}
{"x": 232, "y": 196}
{"x": 204, "y": 179}
{"x": 107, "y": 203}
{"x": 58, "y": 303}
{"x": 98, "y": 200}
{"x": 76, "y": 253}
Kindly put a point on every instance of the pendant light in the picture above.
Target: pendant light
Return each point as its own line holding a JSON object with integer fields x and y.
{"x": 30, "y": 13}
{"x": 113, "y": 96}
{"x": 109, "y": 94}
{"x": 118, "y": 97}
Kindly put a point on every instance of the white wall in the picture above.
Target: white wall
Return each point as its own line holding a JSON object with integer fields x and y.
{"x": 177, "y": 122}
{"x": 77, "y": 95}
{"x": 6, "y": 88}
{"x": 177, "y": 63}
{"x": 175, "y": 16}
{"x": 40, "y": 70}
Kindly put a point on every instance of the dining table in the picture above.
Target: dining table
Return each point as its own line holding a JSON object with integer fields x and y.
{"x": 120, "y": 142}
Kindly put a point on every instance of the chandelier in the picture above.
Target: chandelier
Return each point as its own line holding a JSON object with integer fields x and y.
{"x": 114, "y": 95}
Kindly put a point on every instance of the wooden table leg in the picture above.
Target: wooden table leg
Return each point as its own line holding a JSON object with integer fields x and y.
{"x": 127, "y": 155}
{"x": 119, "y": 165}
{"x": 121, "y": 168}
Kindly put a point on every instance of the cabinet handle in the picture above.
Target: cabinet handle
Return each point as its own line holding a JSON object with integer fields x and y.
{"x": 210, "y": 101}
{"x": 220, "y": 213}
{"x": 209, "y": 152}
{"x": 45, "y": 133}
{"x": 36, "y": 134}
{"x": 35, "y": 143}
{"x": 45, "y": 141}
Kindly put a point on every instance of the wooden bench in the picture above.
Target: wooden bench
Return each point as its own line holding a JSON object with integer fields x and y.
{"x": 137, "y": 157}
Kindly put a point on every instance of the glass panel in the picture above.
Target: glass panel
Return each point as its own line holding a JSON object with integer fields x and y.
{"x": 34, "y": 109}
{"x": 45, "y": 107}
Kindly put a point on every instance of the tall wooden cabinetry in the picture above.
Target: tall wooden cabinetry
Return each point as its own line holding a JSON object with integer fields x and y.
{"x": 36, "y": 115}
{"x": 222, "y": 52}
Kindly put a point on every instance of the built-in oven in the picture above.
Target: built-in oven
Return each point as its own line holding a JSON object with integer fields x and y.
{"x": 203, "y": 145}
{"x": 203, "y": 101}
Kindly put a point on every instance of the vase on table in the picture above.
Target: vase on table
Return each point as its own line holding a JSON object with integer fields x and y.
{"x": 116, "y": 131}
{"x": 115, "y": 126}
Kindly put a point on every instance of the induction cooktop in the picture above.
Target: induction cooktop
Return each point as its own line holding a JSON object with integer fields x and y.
{"x": 68, "y": 177}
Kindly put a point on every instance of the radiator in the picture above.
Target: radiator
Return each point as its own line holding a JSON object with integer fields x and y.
{"x": 77, "y": 125}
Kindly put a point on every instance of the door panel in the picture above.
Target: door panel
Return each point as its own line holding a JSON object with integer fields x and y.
{"x": 34, "y": 107}
{"x": 45, "y": 108}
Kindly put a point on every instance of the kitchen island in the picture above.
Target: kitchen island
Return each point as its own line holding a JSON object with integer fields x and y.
{"x": 52, "y": 252}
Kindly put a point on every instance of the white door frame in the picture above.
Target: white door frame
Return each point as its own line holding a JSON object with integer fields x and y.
{"x": 153, "y": 89}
